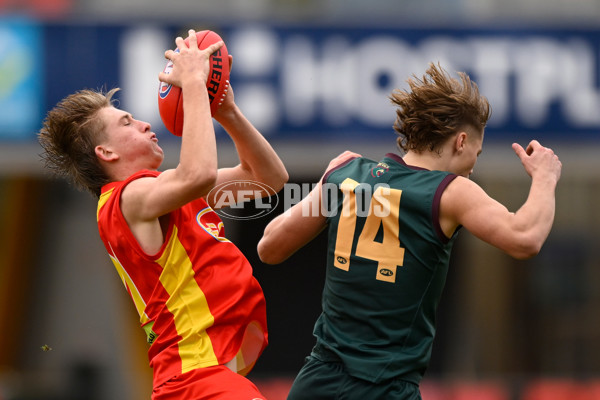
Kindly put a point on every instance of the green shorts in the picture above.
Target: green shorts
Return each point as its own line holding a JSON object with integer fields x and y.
{"x": 330, "y": 381}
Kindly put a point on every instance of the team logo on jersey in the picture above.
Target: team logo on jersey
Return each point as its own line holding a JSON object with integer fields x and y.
{"x": 379, "y": 170}
{"x": 210, "y": 222}
{"x": 341, "y": 260}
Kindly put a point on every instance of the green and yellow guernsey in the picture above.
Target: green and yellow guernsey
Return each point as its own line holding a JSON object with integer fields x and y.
{"x": 387, "y": 262}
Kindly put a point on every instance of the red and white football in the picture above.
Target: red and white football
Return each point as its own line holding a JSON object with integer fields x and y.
{"x": 170, "y": 98}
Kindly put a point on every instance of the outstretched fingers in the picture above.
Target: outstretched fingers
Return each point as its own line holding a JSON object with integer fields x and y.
{"x": 192, "y": 39}
{"x": 214, "y": 47}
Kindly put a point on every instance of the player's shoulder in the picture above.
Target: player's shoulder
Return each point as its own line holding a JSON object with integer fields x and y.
{"x": 138, "y": 184}
{"x": 460, "y": 191}
{"x": 459, "y": 182}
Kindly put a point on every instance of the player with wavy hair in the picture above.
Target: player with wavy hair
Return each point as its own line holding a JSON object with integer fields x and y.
{"x": 69, "y": 135}
{"x": 201, "y": 308}
{"x": 435, "y": 108}
{"x": 391, "y": 225}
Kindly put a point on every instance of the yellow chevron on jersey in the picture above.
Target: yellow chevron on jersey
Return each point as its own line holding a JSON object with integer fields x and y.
{"x": 102, "y": 201}
{"x": 187, "y": 303}
{"x": 138, "y": 301}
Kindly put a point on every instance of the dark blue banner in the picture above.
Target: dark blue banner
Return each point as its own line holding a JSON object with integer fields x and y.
{"x": 306, "y": 82}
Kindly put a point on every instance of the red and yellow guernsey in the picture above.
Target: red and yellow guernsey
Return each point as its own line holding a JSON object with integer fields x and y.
{"x": 197, "y": 299}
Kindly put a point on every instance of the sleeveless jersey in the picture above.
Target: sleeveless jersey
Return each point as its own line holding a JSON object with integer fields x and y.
{"x": 387, "y": 262}
{"x": 197, "y": 298}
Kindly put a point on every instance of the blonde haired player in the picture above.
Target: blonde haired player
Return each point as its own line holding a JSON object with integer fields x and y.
{"x": 202, "y": 310}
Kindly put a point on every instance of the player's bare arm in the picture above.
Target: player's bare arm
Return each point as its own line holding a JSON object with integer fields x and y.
{"x": 521, "y": 234}
{"x": 145, "y": 200}
{"x": 258, "y": 160}
{"x": 292, "y": 230}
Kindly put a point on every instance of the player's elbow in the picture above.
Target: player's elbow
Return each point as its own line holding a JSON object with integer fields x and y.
{"x": 281, "y": 180}
{"x": 275, "y": 181}
{"x": 205, "y": 184}
{"x": 524, "y": 254}
{"x": 269, "y": 252}
{"x": 267, "y": 258}
{"x": 528, "y": 246}
{"x": 266, "y": 254}
{"x": 200, "y": 184}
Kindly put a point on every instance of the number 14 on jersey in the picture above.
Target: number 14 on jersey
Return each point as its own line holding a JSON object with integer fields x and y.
{"x": 383, "y": 212}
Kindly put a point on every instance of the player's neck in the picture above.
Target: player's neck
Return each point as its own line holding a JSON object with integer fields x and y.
{"x": 122, "y": 171}
{"x": 431, "y": 160}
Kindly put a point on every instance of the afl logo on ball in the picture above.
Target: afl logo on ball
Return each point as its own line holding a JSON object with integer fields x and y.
{"x": 165, "y": 87}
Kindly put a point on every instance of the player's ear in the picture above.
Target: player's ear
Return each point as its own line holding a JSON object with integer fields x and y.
{"x": 105, "y": 154}
{"x": 460, "y": 141}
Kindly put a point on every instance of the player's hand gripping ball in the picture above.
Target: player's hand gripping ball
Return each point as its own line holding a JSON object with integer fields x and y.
{"x": 170, "y": 98}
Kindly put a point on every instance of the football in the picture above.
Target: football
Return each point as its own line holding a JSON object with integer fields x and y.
{"x": 170, "y": 98}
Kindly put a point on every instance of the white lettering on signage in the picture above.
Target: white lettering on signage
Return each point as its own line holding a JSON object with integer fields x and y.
{"x": 336, "y": 82}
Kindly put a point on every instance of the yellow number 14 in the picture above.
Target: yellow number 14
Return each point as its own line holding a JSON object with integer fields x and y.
{"x": 383, "y": 212}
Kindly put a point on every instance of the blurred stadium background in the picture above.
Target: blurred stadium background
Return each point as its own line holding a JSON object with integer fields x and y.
{"x": 314, "y": 76}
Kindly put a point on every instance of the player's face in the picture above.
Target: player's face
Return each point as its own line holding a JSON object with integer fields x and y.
{"x": 131, "y": 139}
